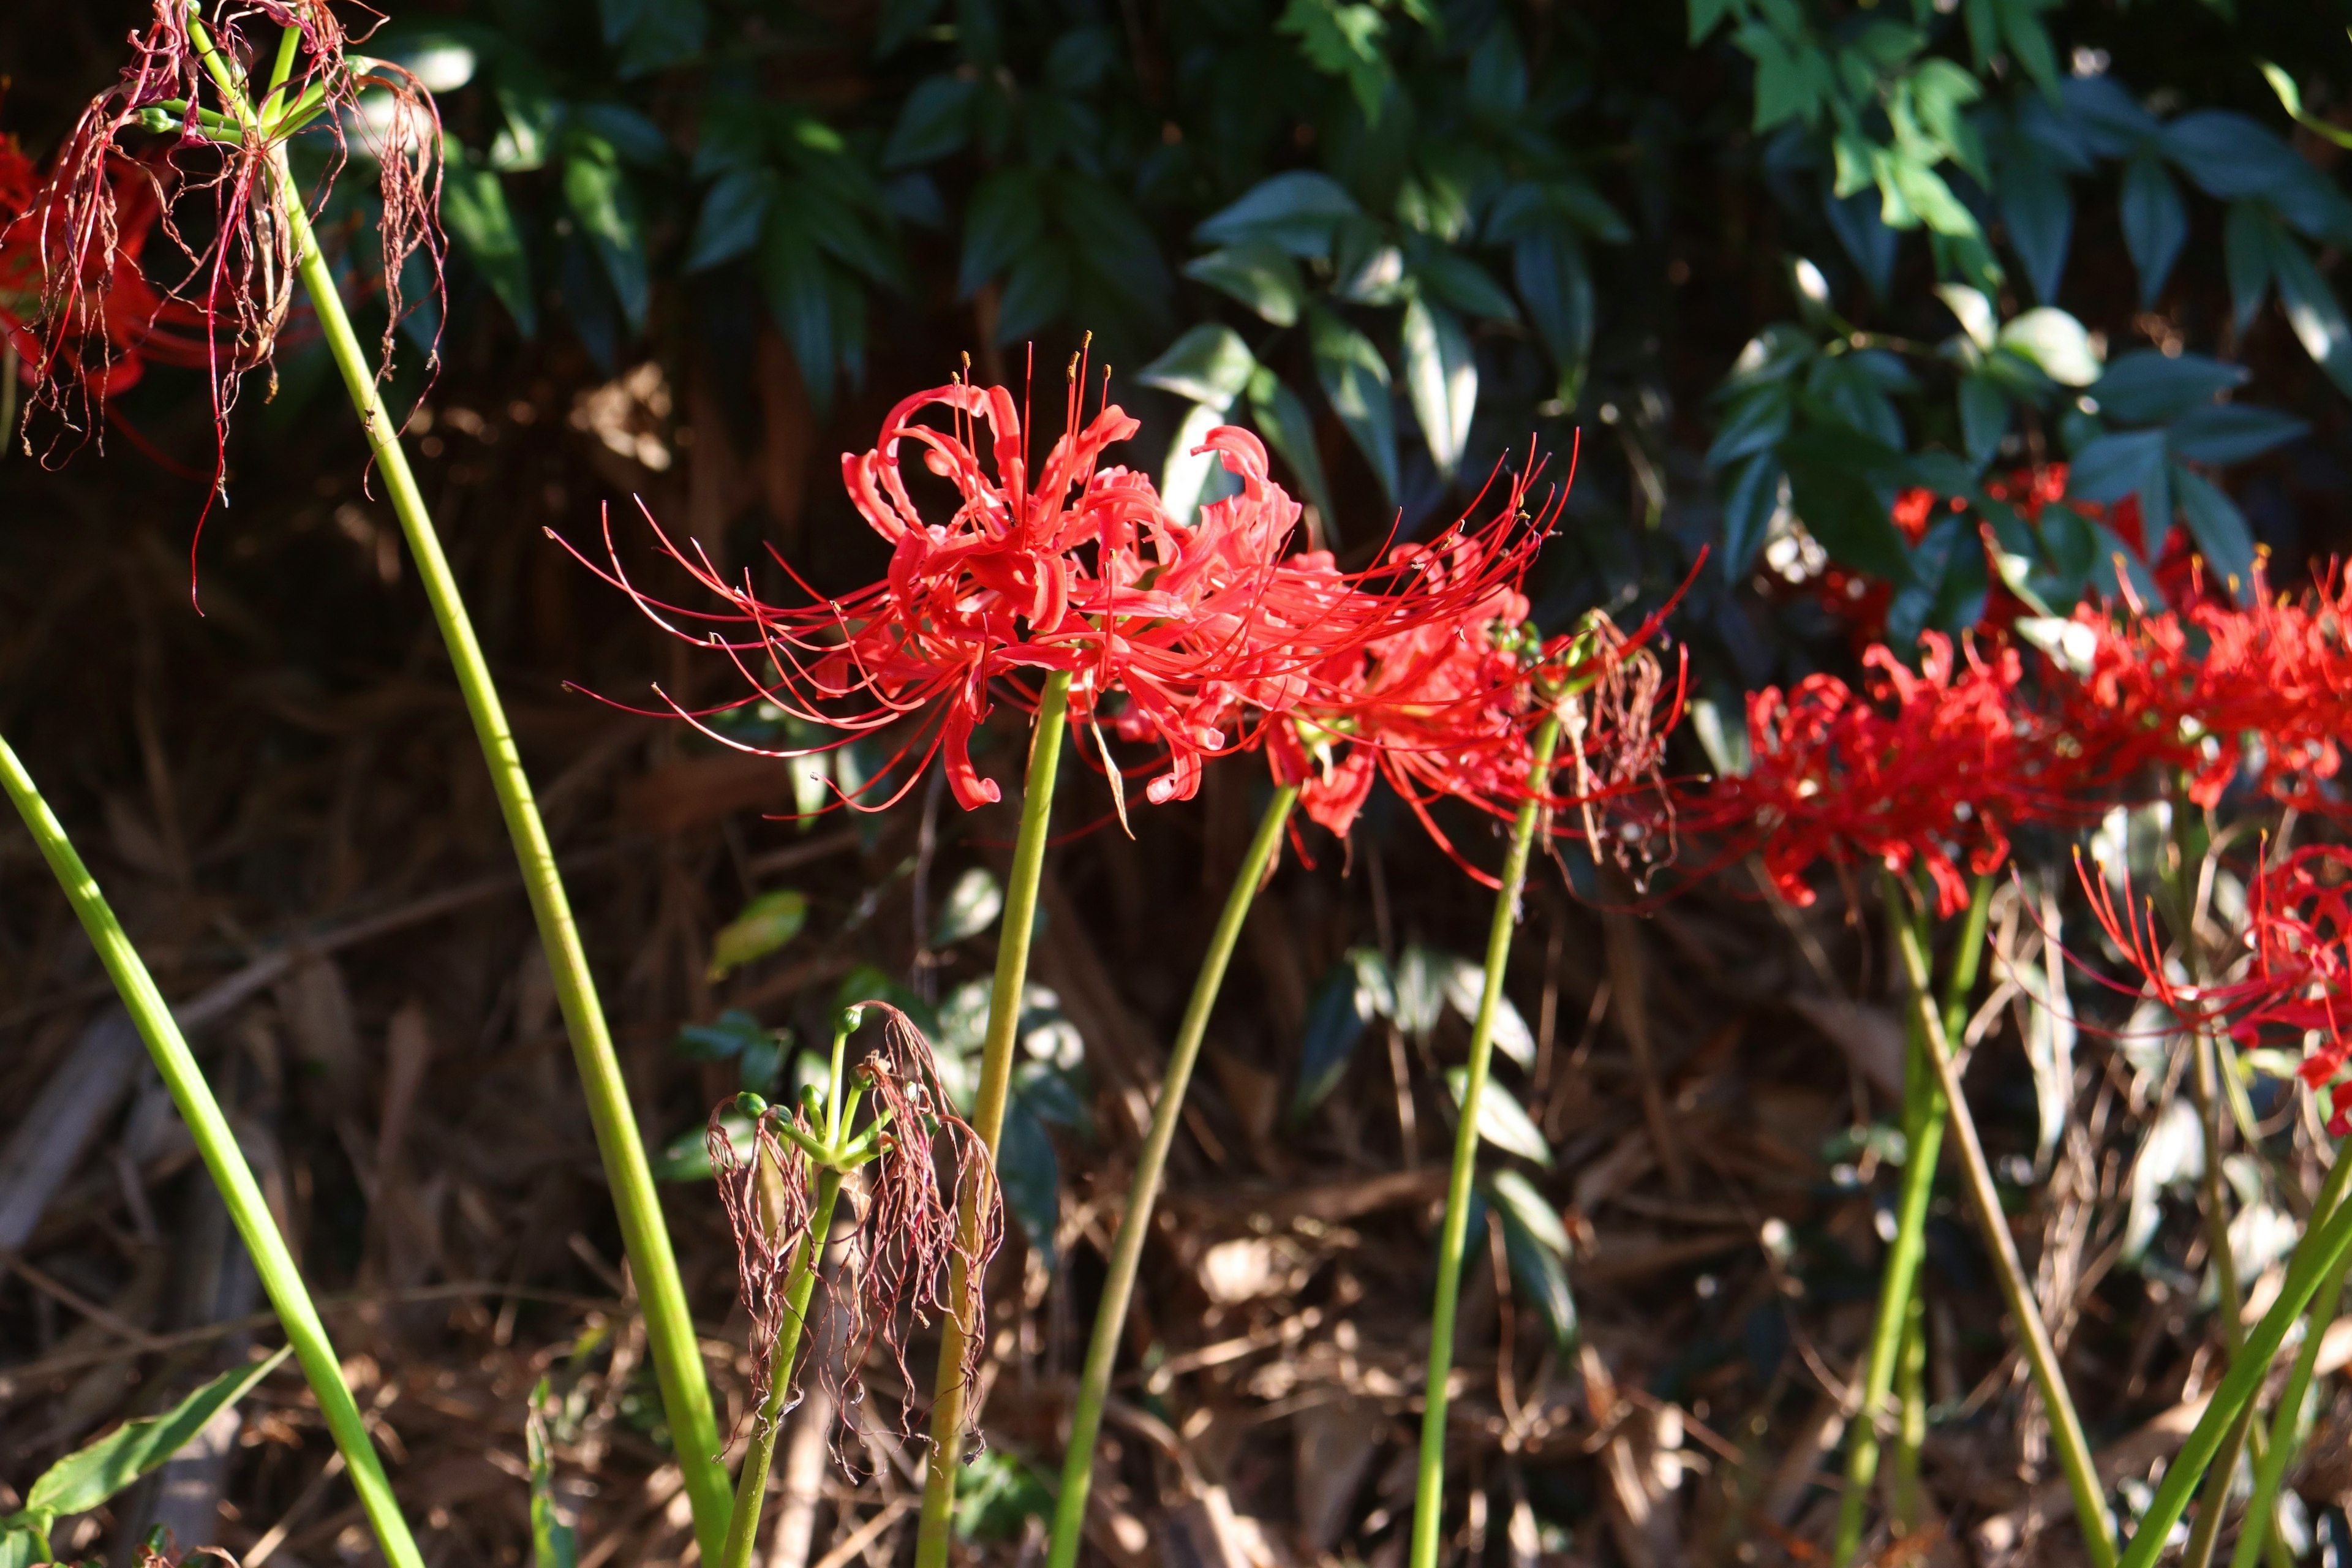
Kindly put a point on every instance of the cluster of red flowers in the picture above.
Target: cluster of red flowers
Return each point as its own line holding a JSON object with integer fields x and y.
{"x": 1190, "y": 640}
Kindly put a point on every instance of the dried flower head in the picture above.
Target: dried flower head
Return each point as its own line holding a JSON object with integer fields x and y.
{"x": 765, "y": 1193}
{"x": 195, "y": 134}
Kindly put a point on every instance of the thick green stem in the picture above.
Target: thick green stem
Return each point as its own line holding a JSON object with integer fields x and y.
{"x": 949, "y": 1394}
{"x": 1134, "y": 1225}
{"x": 280, "y": 1279}
{"x": 669, "y": 1328}
{"x": 2214, "y": 1501}
{"x": 2041, "y": 1354}
{"x": 1923, "y": 1132}
{"x": 751, "y": 1483}
{"x": 2271, "y": 1467}
{"x": 1429, "y": 1487}
{"x": 2320, "y": 1252}
{"x": 1911, "y": 1426}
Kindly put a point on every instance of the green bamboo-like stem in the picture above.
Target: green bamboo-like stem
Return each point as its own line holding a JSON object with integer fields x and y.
{"x": 280, "y": 1279}
{"x": 2260, "y": 1516}
{"x": 947, "y": 1392}
{"x": 1143, "y": 1192}
{"x": 1911, "y": 1425}
{"x": 2215, "y": 1500}
{"x": 1429, "y": 1488}
{"x": 669, "y": 1328}
{"x": 751, "y": 1482}
{"x": 2320, "y": 1252}
{"x": 2041, "y": 1354}
{"x": 1923, "y": 1134}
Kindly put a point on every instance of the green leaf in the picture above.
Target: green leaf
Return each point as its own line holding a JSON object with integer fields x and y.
{"x": 2225, "y": 432}
{"x": 633, "y": 139}
{"x": 723, "y": 1039}
{"x": 1984, "y": 417}
{"x": 1419, "y": 991}
{"x": 1501, "y": 1120}
{"x": 2038, "y": 209}
{"x": 2246, "y": 241}
{"x": 1211, "y": 366}
{"x": 1841, "y": 484}
{"x": 1036, "y": 292}
{"x": 1353, "y": 992}
{"x": 1260, "y": 275}
{"x": 2054, "y": 342}
{"x": 1750, "y": 502}
{"x": 1537, "y": 1279}
{"x": 1464, "y": 983}
{"x": 1283, "y": 420}
{"x": 1297, "y": 211}
{"x": 2312, "y": 310}
{"x": 1754, "y": 424}
{"x": 654, "y": 35}
{"x": 22, "y": 1546}
{"x": 935, "y": 121}
{"x": 971, "y": 907}
{"x": 1465, "y": 285}
{"x": 2126, "y": 463}
{"x": 2156, "y": 224}
{"x": 604, "y": 204}
{"x": 2146, "y": 386}
{"x": 1031, "y": 1176}
{"x": 88, "y": 1476}
{"x": 2220, "y": 530}
{"x": 734, "y": 211}
{"x": 766, "y": 924}
{"x": 554, "y": 1543}
{"x": 1005, "y": 218}
{"x": 1188, "y": 476}
{"x": 793, "y": 279}
{"x": 1511, "y": 1192}
{"x": 1356, "y": 380}
{"x": 474, "y": 209}
{"x": 1973, "y": 311}
{"x": 1441, "y": 376}
{"x": 1343, "y": 40}
{"x": 1557, "y": 289}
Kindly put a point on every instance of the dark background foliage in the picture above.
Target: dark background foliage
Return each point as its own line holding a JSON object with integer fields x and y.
{"x": 700, "y": 246}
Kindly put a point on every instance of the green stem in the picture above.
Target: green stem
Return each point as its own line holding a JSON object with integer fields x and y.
{"x": 2260, "y": 1516}
{"x": 2320, "y": 1252}
{"x": 217, "y": 1144}
{"x": 1923, "y": 1134}
{"x": 1429, "y": 1487}
{"x": 1911, "y": 1400}
{"x": 669, "y": 1328}
{"x": 2214, "y": 1501}
{"x": 947, "y": 1391}
{"x": 2041, "y": 1354}
{"x": 751, "y": 1483}
{"x": 1135, "y": 1224}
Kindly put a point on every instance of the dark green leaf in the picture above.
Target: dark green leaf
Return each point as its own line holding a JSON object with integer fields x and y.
{"x": 1984, "y": 417}
{"x": 2225, "y": 432}
{"x": 1752, "y": 424}
{"x": 2156, "y": 224}
{"x": 2105, "y": 117}
{"x": 1356, "y": 381}
{"x": 2146, "y": 387}
{"x": 935, "y": 121}
{"x": 1352, "y": 994}
{"x": 1841, "y": 486}
{"x": 1283, "y": 420}
{"x": 1537, "y": 1277}
{"x": 2128, "y": 463}
{"x": 2219, "y": 529}
{"x": 89, "y": 1475}
{"x": 1557, "y": 289}
{"x": 1343, "y": 39}
{"x": 723, "y": 1039}
{"x": 2038, "y": 208}
{"x": 1260, "y": 275}
{"x": 1441, "y": 376}
{"x": 1751, "y": 500}
{"x": 734, "y": 210}
{"x": 1036, "y": 292}
{"x": 633, "y": 139}
{"x": 1297, "y": 211}
{"x": 1465, "y": 285}
{"x": 604, "y": 204}
{"x": 1081, "y": 57}
{"x": 1210, "y": 365}
{"x": 792, "y": 277}
{"x": 1005, "y": 218}
{"x": 2247, "y": 239}
{"x": 2234, "y": 157}
{"x": 1031, "y": 1176}
{"x": 900, "y": 20}
{"x": 1052, "y": 1095}
{"x": 765, "y": 924}
{"x": 1960, "y": 596}
{"x": 654, "y": 35}
{"x": 473, "y": 208}
{"x": 2312, "y": 310}
{"x": 971, "y": 907}
{"x": 1502, "y": 1122}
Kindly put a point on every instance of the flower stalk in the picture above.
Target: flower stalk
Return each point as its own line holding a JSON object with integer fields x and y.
{"x": 1429, "y": 1489}
{"x": 1923, "y": 1132}
{"x": 951, "y": 1390}
{"x": 224, "y": 1161}
{"x": 2042, "y": 1355}
{"x": 669, "y": 1327}
{"x": 1143, "y": 1192}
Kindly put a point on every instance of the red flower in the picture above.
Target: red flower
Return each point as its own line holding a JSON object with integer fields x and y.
{"x": 1919, "y": 769}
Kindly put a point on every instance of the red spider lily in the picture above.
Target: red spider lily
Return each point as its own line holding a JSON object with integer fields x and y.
{"x": 1179, "y": 636}
{"x": 1923, "y": 768}
{"x": 2152, "y": 693}
{"x": 2297, "y": 975}
{"x": 102, "y": 355}
{"x": 204, "y": 99}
